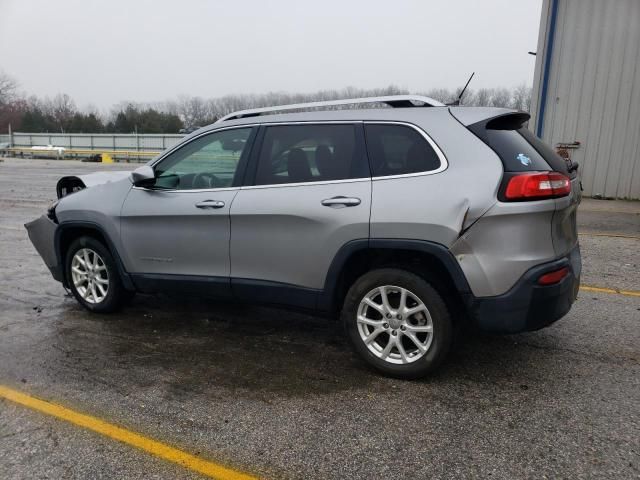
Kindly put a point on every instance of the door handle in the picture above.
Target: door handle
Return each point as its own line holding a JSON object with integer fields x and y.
{"x": 341, "y": 201}
{"x": 210, "y": 204}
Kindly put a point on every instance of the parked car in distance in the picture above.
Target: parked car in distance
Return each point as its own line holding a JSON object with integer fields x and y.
{"x": 407, "y": 222}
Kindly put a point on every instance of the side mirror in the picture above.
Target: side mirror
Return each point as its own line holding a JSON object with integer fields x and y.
{"x": 143, "y": 176}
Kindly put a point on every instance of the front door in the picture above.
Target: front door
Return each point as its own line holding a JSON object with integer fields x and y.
{"x": 179, "y": 229}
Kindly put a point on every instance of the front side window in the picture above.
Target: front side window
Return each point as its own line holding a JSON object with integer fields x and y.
{"x": 309, "y": 153}
{"x": 398, "y": 150}
{"x": 210, "y": 161}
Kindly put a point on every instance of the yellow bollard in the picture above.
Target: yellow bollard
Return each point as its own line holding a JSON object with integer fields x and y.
{"x": 106, "y": 158}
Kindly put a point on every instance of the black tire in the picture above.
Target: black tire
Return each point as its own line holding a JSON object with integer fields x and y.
{"x": 116, "y": 295}
{"x": 442, "y": 324}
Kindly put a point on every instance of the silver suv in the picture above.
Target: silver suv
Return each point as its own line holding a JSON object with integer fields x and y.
{"x": 408, "y": 222}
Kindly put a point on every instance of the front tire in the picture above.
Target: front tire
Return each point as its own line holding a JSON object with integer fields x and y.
{"x": 93, "y": 276}
{"x": 398, "y": 323}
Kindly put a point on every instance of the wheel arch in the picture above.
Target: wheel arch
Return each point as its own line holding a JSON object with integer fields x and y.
{"x": 67, "y": 232}
{"x": 426, "y": 259}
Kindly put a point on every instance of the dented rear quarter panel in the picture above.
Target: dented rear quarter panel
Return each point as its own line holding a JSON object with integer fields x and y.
{"x": 437, "y": 207}
{"x": 506, "y": 242}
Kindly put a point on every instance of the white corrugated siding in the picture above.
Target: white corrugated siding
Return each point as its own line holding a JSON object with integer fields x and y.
{"x": 593, "y": 92}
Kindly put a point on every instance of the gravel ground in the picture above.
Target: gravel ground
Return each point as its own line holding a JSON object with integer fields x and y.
{"x": 281, "y": 395}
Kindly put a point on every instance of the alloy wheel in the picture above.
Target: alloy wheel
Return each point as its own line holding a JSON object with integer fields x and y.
{"x": 395, "y": 325}
{"x": 89, "y": 275}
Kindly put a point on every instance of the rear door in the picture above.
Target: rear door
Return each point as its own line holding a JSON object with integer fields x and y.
{"x": 308, "y": 194}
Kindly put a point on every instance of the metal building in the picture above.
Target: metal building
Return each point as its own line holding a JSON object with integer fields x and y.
{"x": 586, "y": 90}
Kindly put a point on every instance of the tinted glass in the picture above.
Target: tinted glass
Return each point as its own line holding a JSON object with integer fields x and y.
{"x": 516, "y": 152}
{"x": 556, "y": 162}
{"x": 518, "y": 148}
{"x": 398, "y": 149}
{"x": 207, "y": 162}
{"x": 308, "y": 153}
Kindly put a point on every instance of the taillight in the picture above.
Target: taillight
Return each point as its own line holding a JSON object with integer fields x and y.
{"x": 553, "y": 277}
{"x": 537, "y": 186}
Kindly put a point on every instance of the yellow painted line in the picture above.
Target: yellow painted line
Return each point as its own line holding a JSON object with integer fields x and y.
{"x": 628, "y": 293}
{"x": 617, "y": 235}
{"x": 153, "y": 447}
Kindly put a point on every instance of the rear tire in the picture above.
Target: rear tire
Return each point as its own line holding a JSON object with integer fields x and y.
{"x": 93, "y": 276}
{"x": 405, "y": 335}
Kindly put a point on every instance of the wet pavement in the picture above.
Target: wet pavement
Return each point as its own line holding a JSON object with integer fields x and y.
{"x": 280, "y": 394}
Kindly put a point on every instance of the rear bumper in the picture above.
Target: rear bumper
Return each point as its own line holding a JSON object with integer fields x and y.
{"x": 528, "y": 306}
{"x": 42, "y": 233}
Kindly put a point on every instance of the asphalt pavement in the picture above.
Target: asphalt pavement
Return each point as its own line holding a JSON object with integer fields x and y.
{"x": 280, "y": 395}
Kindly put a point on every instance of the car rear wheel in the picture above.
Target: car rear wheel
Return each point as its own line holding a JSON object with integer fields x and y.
{"x": 398, "y": 323}
{"x": 93, "y": 276}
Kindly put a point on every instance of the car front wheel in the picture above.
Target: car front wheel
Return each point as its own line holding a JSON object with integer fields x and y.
{"x": 398, "y": 323}
{"x": 93, "y": 276}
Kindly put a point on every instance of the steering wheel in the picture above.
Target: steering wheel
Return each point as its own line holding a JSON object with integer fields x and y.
{"x": 204, "y": 180}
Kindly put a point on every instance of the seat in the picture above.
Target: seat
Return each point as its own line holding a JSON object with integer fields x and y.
{"x": 328, "y": 165}
{"x": 298, "y": 166}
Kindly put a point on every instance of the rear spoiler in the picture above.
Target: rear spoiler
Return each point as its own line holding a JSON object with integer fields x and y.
{"x": 471, "y": 115}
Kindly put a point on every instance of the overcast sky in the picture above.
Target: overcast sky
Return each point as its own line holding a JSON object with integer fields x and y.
{"x": 104, "y": 52}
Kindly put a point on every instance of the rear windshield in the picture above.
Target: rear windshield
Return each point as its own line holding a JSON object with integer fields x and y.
{"x": 556, "y": 162}
{"x": 518, "y": 148}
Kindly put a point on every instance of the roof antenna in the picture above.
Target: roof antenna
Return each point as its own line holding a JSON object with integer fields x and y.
{"x": 456, "y": 102}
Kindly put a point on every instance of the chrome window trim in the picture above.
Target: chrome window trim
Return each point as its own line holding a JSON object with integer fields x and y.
{"x": 186, "y": 190}
{"x": 301, "y": 184}
{"x": 444, "y": 163}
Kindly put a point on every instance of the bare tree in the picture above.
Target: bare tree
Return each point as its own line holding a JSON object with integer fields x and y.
{"x": 61, "y": 108}
{"x": 194, "y": 111}
{"x": 501, "y": 97}
{"x": 198, "y": 111}
{"x": 522, "y": 98}
{"x": 8, "y": 89}
{"x": 483, "y": 97}
{"x": 443, "y": 95}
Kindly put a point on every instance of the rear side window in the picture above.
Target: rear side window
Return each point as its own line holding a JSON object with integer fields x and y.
{"x": 309, "y": 153}
{"x": 518, "y": 148}
{"x": 398, "y": 150}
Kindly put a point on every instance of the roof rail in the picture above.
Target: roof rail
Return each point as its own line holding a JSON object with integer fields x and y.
{"x": 391, "y": 100}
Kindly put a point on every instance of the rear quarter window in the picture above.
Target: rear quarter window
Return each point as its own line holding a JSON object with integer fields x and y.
{"x": 398, "y": 149}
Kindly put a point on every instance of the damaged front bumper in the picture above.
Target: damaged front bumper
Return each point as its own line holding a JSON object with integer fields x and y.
{"x": 42, "y": 233}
